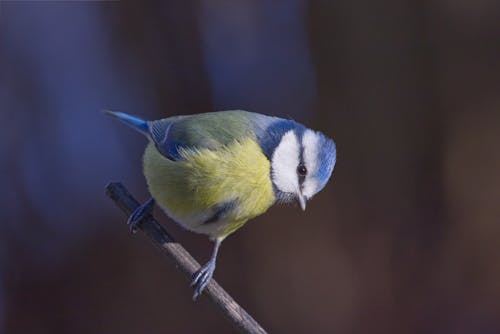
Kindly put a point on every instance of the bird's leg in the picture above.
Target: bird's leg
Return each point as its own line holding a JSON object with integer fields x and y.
{"x": 205, "y": 273}
{"x": 142, "y": 211}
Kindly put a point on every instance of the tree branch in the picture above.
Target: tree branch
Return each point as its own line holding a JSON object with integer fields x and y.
{"x": 185, "y": 262}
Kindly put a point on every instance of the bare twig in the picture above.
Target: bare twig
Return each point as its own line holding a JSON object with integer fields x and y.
{"x": 186, "y": 263}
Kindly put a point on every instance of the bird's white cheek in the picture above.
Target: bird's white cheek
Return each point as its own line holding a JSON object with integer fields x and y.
{"x": 309, "y": 188}
{"x": 284, "y": 163}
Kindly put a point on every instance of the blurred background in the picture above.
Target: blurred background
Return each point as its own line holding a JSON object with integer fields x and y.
{"x": 404, "y": 239}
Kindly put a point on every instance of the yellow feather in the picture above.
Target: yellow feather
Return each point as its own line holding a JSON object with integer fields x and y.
{"x": 189, "y": 189}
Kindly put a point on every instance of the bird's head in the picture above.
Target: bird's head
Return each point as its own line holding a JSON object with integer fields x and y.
{"x": 302, "y": 161}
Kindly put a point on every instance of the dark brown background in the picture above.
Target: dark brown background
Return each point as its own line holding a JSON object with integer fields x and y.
{"x": 404, "y": 239}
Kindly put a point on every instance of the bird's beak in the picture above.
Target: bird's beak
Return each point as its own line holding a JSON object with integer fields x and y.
{"x": 302, "y": 201}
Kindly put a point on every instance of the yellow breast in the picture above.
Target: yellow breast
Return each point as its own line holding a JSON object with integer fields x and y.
{"x": 189, "y": 189}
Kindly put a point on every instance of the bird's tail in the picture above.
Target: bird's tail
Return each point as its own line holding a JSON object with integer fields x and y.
{"x": 132, "y": 121}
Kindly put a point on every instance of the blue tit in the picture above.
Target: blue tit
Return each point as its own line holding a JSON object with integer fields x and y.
{"x": 213, "y": 172}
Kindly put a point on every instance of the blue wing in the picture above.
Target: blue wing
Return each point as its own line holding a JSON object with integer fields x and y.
{"x": 210, "y": 130}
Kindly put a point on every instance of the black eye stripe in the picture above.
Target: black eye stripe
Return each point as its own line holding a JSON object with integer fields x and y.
{"x": 301, "y": 168}
{"x": 301, "y": 172}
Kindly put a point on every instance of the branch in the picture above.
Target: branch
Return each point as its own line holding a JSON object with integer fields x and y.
{"x": 240, "y": 319}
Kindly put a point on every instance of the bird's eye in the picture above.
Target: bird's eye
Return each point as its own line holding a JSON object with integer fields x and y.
{"x": 301, "y": 170}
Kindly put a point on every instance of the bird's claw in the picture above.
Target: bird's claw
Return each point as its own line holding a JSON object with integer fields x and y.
{"x": 202, "y": 277}
{"x": 139, "y": 213}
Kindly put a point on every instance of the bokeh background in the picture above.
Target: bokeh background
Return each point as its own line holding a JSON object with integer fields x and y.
{"x": 405, "y": 237}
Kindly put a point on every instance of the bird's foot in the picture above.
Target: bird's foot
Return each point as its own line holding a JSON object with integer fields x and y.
{"x": 142, "y": 211}
{"x": 202, "y": 277}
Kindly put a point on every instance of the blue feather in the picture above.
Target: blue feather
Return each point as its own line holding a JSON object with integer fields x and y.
{"x": 327, "y": 157}
{"x": 132, "y": 121}
{"x": 164, "y": 139}
{"x": 270, "y": 137}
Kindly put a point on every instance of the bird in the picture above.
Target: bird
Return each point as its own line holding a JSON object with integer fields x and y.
{"x": 212, "y": 172}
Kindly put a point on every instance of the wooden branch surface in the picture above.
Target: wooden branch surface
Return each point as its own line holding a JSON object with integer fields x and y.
{"x": 184, "y": 261}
